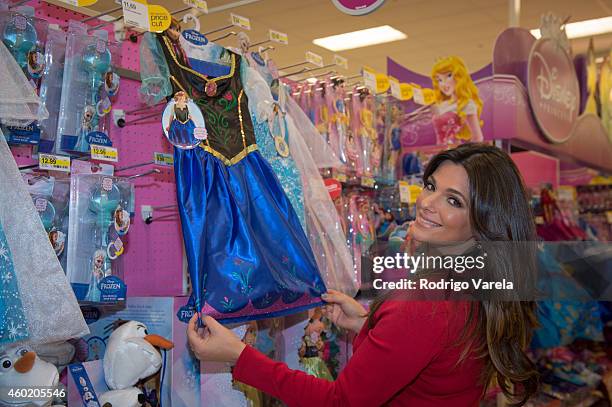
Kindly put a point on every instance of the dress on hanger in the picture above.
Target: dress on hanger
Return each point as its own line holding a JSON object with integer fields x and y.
{"x": 248, "y": 255}
{"x": 13, "y": 324}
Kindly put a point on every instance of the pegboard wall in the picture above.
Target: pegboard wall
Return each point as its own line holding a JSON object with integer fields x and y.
{"x": 154, "y": 252}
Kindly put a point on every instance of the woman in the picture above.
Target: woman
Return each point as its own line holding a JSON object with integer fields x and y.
{"x": 419, "y": 353}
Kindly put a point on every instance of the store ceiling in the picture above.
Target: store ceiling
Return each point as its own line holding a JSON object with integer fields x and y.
{"x": 435, "y": 28}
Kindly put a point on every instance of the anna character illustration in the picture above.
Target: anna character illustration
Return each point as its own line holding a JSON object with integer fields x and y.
{"x": 311, "y": 351}
{"x": 457, "y": 106}
{"x": 181, "y": 127}
{"x": 35, "y": 64}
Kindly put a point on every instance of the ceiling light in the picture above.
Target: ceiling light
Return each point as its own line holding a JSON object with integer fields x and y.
{"x": 361, "y": 38}
{"x": 584, "y": 28}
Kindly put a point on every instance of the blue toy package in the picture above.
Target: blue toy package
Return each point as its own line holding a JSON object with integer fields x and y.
{"x": 25, "y": 37}
{"x": 100, "y": 211}
{"x": 89, "y": 84}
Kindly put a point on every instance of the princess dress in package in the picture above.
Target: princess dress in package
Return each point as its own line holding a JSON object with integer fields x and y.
{"x": 49, "y": 305}
{"x": 248, "y": 256}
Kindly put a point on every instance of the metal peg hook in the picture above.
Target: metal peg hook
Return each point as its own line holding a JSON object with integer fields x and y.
{"x": 153, "y": 171}
{"x": 216, "y": 30}
{"x": 129, "y": 167}
{"x": 260, "y": 43}
{"x": 140, "y": 119}
{"x": 150, "y": 219}
{"x": 229, "y": 34}
{"x": 268, "y": 48}
{"x": 294, "y": 65}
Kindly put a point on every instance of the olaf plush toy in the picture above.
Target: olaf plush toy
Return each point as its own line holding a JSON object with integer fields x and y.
{"x": 130, "y": 356}
{"x": 21, "y": 368}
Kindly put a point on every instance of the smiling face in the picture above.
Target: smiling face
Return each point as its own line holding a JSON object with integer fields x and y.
{"x": 446, "y": 82}
{"x": 443, "y": 207}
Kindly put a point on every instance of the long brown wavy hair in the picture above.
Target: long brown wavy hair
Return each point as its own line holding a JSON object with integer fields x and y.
{"x": 497, "y": 331}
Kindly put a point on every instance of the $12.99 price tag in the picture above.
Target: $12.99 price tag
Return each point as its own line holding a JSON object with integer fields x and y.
{"x": 104, "y": 153}
{"x": 53, "y": 162}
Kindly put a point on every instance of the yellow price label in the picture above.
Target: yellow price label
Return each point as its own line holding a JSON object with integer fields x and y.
{"x": 277, "y": 36}
{"x": 240, "y": 21}
{"x": 415, "y": 191}
{"x": 314, "y": 59}
{"x": 341, "y": 61}
{"x": 367, "y": 182}
{"x": 201, "y": 5}
{"x": 163, "y": 159}
{"x": 104, "y": 153}
{"x": 340, "y": 176}
{"x": 53, "y": 162}
{"x": 382, "y": 83}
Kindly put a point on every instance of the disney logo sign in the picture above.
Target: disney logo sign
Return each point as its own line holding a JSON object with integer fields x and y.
{"x": 553, "y": 88}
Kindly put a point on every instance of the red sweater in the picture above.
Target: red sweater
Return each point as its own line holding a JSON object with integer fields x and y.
{"x": 408, "y": 358}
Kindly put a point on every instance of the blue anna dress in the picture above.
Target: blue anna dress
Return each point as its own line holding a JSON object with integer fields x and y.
{"x": 247, "y": 253}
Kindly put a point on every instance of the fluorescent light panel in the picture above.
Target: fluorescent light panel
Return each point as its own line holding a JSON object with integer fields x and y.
{"x": 361, "y": 38}
{"x": 584, "y": 28}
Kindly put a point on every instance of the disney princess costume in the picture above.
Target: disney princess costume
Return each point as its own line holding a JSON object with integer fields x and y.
{"x": 247, "y": 253}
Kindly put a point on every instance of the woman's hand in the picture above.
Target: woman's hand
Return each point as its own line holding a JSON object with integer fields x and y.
{"x": 214, "y": 342}
{"x": 344, "y": 311}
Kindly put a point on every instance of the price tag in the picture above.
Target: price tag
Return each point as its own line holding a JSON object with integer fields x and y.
{"x": 406, "y": 91}
{"x": 382, "y": 83}
{"x": 417, "y": 95}
{"x": 139, "y": 14}
{"x": 40, "y": 204}
{"x": 277, "y": 36}
{"x": 80, "y": 3}
{"x": 314, "y": 59}
{"x": 367, "y": 182}
{"x": 609, "y": 216}
{"x": 198, "y": 4}
{"x": 136, "y": 13}
{"x": 340, "y": 176}
{"x": 53, "y": 162}
{"x": 429, "y": 96}
{"x": 107, "y": 184}
{"x": 396, "y": 90}
{"x": 163, "y": 159}
{"x": 404, "y": 191}
{"x": 341, "y": 61}
{"x": 415, "y": 191}
{"x": 240, "y": 21}
{"x": 104, "y": 153}
{"x": 369, "y": 79}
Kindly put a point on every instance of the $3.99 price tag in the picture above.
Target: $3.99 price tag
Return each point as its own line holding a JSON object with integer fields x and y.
{"x": 104, "y": 153}
{"x": 53, "y": 162}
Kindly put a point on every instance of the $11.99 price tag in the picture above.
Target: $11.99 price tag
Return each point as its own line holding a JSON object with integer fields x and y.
{"x": 53, "y": 162}
{"x": 104, "y": 153}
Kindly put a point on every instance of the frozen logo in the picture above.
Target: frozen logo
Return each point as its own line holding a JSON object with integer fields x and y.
{"x": 195, "y": 37}
{"x": 552, "y": 90}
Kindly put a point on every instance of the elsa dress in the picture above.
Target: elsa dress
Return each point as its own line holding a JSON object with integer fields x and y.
{"x": 49, "y": 306}
{"x": 301, "y": 179}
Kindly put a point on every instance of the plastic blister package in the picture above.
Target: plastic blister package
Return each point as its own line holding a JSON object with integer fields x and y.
{"x": 51, "y": 88}
{"x": 89, "y": 84}
{"x": 100, "y": 211}
{"x": 24, "y": 36}
{"x": 51, "y": 198}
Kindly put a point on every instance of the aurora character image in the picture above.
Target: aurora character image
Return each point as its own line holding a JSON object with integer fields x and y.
{"x": 253, "y": 396}
{"x": 312, "y": 349}
{"x": 457, "y": 106}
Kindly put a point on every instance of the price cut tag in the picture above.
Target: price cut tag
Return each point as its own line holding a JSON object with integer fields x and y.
{"x": 277, "y": 36}
{"x": 240, "y": 21}
{"x": 314, "y": 59}
{"x": 139, "y": 14}
{"x": 163, "y": 159}
{"x": 104, "y": 153}
{"x": 53, "y": 162}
